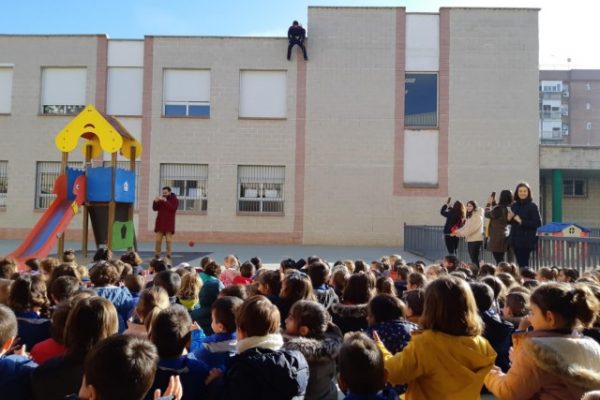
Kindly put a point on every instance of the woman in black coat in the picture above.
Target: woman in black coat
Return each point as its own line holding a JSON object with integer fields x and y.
{"x": 524, "y": 220}
{"x": 455, "y": 216}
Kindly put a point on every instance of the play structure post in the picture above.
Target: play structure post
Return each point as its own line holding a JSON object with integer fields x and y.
{"x": 63, "y": 171}
{"x": 112, "y": 204}
{"x": 85, "y": 227}
{"x": 132, "y": 167}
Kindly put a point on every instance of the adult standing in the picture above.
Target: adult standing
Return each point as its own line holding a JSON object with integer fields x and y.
{"x": 296, "y": 36}
{"x": 455, "y": 216}
{"x": 164, "y": 227}
{"x": 472, "y": 231}
{"x": 499, "y": 228}
{"x": 524, "y": 219}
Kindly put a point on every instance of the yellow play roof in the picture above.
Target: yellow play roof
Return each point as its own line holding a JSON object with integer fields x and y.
{"x": 102, "y": 132}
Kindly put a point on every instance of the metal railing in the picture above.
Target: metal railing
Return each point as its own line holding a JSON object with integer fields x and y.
{"x": 567, "y": 252}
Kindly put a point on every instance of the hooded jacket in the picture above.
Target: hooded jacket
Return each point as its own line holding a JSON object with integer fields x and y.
{"x": 548, "y": 366}
{"x": 439, "y": 366}
{"x": 472, "y": 230}
{"x": 326, "y": 296}
{"x": 208, "y": 294}
{"x": 350, "y": 317}
{"x": 321, "y": 356}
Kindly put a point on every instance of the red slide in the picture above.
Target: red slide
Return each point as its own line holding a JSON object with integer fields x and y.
{"x": 53, "y": 222}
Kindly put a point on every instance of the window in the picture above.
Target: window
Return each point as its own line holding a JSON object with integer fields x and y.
{"x": 6, "y": 77}
{"x": 186, "y": 93}
{"x": 588, "y": 86}
{"x": 189, "y": 182}
{"x": 46, "y": 174}
{"x": 420, "y": 100}
{"x": 588, "y": 106}
{"x": 575, "y": 188}
{"x": 63, "y": 90}
{"x": 263, "y": 94}
{"x": 588, "y": 126}
{"x": 125, "y": 165}
{"x": 260, "y": 189}
{"x": 124, "y": 91}
{"x": 3, "y": 183}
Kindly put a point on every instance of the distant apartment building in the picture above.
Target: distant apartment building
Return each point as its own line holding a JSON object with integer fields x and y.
{"x": 394, "y": 113}
{"x": 569, "y": 101}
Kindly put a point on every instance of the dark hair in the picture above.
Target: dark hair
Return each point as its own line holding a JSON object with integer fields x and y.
{"x": 361, "y": 364}
{"x": 8, "y": 324}
{"x": 403, "y": 272}
{"x": 506, "y": 198}
{"x": 517, "y": 302}
{"x": 59, "y": 319}
{"x": 8, "y": 267}
{"x": 312, "y": 315}
{"x": 487, "y": 270}
{"x": 459, "y": 209}
{"x": 483, "y": 294}
{"x": 159, "y": 264}
{"x": 527, "y": 273}
{"x": 386, "y": 307}
{"x": 452, "y": 259}
{"x": 63, "y": 288}
{"x": 102, "y": 254}
{"x": 247, "y": 269}
{"x": 547, "y": 273}
{"x": 204, "y": 261}
{"x": 103, "y": 273}
{"x": 358, "y": 289}
{"x": 496, "y": 284}
{"x": 238, "y": 291}
{"x": 167, "y": 188}
{"x": 91, "y": 320}
{"x": 135, "y": 283}
{"x": 318, "y": 273}
{"x": 417, "y": 278}
{"x": 295, "y": 23}
{"x": 171, "y": 330}
{"x": 257, "y": 262}
{"x": 271, "y": 279}
{"x": 212, "y": 268}
{"x": 572, "y": 304}
{"x": 168, "y": 280}
{"x": 33, "y": 263}
{"x": 224, "y": 311}
{"x": 296, "y": 286}
{"x": 474, "y": 204}
{"x": 257, "y": 316}
{"x": 415, "y": 299}
{"x": 385, "y": 284}
{"x": 525, "y": 185}
{"x": 132, "y": 258}
{"x": 69, "y": 256}
{"x": 570, "y": 273}
{"x": 286, "y": 264}
{"x": 507, "y": 279}
{"x": 28, "y": 292}
{"x": 450, "y": 308}
{"x": 121, "y": 367}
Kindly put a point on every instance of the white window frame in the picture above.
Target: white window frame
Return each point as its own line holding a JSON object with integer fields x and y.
{"x": 261, "y": 189}
{"x": 3, "y": 183}
{"x": 569, "y": 185}
{"x": 178, "y": 177}
{"x": 252, "y": 95}
{"x": 44, "y": 181}
{"x": 60, "y": 109}
{"x": 186, "y": 104}
{"x": 6, "y": 89}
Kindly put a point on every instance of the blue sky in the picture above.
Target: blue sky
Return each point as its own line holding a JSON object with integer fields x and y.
{"x": 562, "y": 23}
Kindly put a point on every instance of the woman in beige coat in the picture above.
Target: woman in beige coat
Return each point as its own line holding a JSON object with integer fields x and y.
{"x": 472, "y": 231}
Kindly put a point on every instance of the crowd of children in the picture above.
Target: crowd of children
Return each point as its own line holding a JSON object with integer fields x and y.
{"x": 118, "y": 329}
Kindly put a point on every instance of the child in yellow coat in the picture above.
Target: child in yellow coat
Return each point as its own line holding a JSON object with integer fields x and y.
{"x": 450, "y": 358}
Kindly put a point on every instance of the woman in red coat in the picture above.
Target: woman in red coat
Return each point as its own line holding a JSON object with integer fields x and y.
{"x": 166, "y": 207}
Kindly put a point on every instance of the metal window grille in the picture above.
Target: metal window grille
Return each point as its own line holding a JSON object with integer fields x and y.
{"x": 189, "y": 182}
{"x": 575, "y": 188}
{"x": 46, "y": 174}
{"x": 3, "y": 183}
{"x": 260, "y": 188}
{"x": 125, "y": 165}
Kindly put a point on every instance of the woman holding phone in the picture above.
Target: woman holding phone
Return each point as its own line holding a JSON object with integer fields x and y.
{"x": 455, "y": 217}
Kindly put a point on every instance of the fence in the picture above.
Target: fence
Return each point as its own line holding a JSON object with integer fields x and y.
{"x": 581, "y": 253}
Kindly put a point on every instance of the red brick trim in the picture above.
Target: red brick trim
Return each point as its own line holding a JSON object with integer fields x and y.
{"x": 443, "y": 109}
{"x": 101, "y": 72}
{"x": 144, "y": 195}
{"x": 300, "y": 159}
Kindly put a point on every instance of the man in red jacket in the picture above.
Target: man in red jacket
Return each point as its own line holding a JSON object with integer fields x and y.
{"x": 166, "y": 207}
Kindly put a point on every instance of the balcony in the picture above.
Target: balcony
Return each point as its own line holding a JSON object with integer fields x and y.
{"x": 546, "y": 115}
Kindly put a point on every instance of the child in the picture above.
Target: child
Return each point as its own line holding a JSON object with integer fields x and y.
{"x": 29, "y": 302}
{"x": 450, "y": 358}
{"x": 311, "y": 332}
{"x": 151, "y": 302}
{"x": 414, "y": 300}
{"x": 351, "y": 315}
{"x": 171, "y": 332}
{"x": 552, "y": 361}
{"x": 14, "y": 369}
{"x": 319, "y": 275}
{"x": 105, "y": 277}
{"x": 231, "y": 265}
{"x": 135, "y": 284}
{"x": 208, "y": 294}
{"x": 515, "y": 307}
{"x": 295, "y": 286}
{"x": 189, "y": 291}
{"x": 215, "y": 350}
{"x": 385, "y": 284}
{"x": 170, "y": 281}
{"x": 247, "y": 271}
{"x": 339, "y": 278}
{"x": 53, "y": 346}
{"x": 362, "y": 373}
{"x": 119, "y": 367}
{"x": 261, "y": 370}
{"x": 416, "y": 280}
{"x": 386, "y": 316}
{"x": 269, "y": 285}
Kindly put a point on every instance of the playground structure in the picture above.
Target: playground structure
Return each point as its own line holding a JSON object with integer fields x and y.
{"x": 107, "y": 194}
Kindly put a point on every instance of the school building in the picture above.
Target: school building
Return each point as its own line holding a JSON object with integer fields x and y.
{"x": 393, "y": 113}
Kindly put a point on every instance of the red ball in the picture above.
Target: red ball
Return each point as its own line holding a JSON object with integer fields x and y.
{"x": 191, "y": 243}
